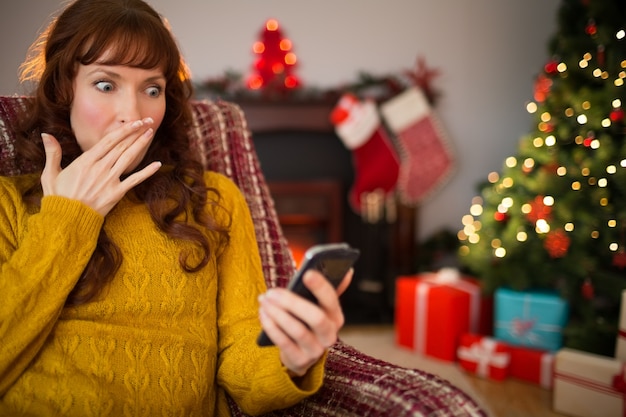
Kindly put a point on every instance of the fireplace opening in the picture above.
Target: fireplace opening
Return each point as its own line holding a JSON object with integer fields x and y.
{"x": 310, "y": 212}
{"x": 309, "y": 172}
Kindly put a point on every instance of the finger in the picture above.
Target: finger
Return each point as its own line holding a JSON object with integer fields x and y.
{"x": 323, "y": 291}
{"x": 320, "y": 326}
{"x": 140, "y": 176}
{"x": 112, "y": 141}
{"x": 332, "y": 319}
{"x": 273, "y": 331}
{"x": 298, "y": 346}
{"x": 299, "y": 320}
{"x": 52, "y": 166}
{"x": 126, "y": 152}
{"x": 296, "y": 360}
{"x": 345, "y": 283}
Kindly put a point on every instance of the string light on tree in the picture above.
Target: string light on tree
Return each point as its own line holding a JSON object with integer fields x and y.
{"x": 555, "y": 216}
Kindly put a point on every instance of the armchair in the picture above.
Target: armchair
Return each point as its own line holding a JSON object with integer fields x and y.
{"x": 355, "y": 384}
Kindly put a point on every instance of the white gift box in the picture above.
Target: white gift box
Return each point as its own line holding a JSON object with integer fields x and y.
{"x": 588, "y": 385}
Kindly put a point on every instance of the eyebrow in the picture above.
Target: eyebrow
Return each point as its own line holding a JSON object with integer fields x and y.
{"x": 115, "y": 75}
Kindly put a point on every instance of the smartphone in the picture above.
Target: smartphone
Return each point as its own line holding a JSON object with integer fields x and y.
{"x": 333, "y": 260}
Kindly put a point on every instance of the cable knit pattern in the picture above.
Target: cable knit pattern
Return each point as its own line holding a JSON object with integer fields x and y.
{"x": 148, "y": 346}
{"x": 354, "y": 384}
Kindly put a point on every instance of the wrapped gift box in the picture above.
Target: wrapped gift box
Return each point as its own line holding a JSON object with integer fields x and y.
{"x": 484, "y": 356}
{"x": 588, "y": 385}
{"x": 530, "y": 318}
{"x": 433, "y": 310}
{"x": 532, "y": 365}
{"x": 620, "y": 348}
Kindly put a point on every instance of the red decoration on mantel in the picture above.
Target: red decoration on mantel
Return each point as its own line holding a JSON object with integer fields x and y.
{"x": 422, "y": 77}
{"x": 275, "y": 63}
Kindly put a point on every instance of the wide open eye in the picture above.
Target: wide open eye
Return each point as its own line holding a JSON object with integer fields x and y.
{"x": 154, "y": 91}
{"x": 104, "y": 86}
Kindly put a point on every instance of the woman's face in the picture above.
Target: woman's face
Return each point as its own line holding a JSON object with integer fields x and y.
{"x": 107, "y": 96}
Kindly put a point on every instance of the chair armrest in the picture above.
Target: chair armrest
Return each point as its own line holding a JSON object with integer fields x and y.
{"x": 356, "y": 384}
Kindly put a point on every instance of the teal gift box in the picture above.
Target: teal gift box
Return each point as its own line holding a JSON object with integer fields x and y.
{"x": 533, "y": 318}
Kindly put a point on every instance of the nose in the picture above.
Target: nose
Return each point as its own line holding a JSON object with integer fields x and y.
{"x": 128, "y": 108}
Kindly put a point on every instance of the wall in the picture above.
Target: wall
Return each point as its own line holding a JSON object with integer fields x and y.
{"x": 487, "y": 52}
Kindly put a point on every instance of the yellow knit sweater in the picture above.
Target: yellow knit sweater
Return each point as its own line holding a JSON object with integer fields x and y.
{"x": 157, "y": 342}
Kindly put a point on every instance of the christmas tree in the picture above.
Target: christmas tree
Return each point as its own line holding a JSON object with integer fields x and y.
{"x": 555, "y": 216}
{"x": 274, "y": 67}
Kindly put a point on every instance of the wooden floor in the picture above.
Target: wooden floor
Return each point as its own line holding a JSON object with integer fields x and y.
{"x": 508, "y": 398}
{"x": 514, "y": 398}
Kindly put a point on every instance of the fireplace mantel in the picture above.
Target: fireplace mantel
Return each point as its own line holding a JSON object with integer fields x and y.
{"x": 266, "y": 116}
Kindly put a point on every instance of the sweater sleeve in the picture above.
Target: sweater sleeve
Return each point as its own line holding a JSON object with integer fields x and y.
{"x": 42, "y": 255}
{"x": 253, "y": 376}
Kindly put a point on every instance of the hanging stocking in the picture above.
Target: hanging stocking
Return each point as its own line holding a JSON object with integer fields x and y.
{"x": 376, "y": 163}
{"x": 426, "y": 157}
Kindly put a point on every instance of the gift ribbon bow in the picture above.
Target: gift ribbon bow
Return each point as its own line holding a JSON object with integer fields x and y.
{"x": 484, "y": 354}
{"x": 527, "y": 327}
{"x": 522, "y": 327}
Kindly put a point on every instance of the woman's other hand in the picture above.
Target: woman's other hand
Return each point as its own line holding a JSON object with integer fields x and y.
{"x": 301, "y": 329}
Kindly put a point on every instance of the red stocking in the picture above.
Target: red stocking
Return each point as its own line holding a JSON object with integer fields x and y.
{"x": 426, "y": 157}
{"x": 376, "y": 163}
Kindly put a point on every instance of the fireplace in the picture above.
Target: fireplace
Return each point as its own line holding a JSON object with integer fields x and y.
{"x": 309, "y": 172}
{"x": 309, "y": 211}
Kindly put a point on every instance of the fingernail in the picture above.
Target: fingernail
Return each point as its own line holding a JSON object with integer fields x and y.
{"x": 45, "y": 137}
{"x": 149, "y": 132}
{"x": 310, "y": 277}
{"x": 137, "y": 123}
{"x": 272, "y": 295}
{"x": 148, "y": 120}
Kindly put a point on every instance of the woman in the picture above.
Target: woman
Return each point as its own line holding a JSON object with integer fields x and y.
{"x": 130, "y": 277}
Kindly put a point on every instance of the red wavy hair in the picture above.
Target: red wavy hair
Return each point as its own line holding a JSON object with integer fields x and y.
{"x": 133, "y": 34}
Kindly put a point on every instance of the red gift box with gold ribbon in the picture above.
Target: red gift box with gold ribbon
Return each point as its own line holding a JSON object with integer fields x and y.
{"x": 484, "y": 356}
{"x": 433, "y": 310}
